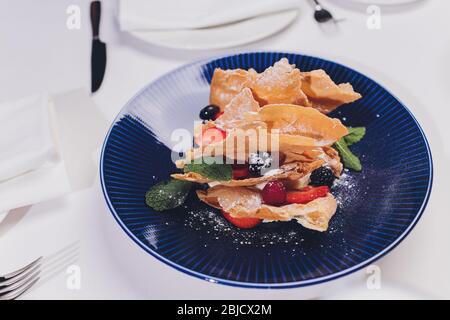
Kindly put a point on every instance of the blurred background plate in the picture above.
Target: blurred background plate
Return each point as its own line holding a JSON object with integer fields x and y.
{"x": 385, "y": 2}
{"x": 224, "y": 36}
{"x": 378, "y": 207}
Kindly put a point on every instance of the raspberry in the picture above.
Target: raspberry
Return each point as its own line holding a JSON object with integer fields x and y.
{"x": 274, "y": 193}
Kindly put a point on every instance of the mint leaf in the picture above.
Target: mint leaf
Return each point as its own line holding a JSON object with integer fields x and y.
{"x": 354, "y": 135}
{"x": 167, "y": 195}
{"x": 348, "y": 158}
{"x": 213, "y": 171}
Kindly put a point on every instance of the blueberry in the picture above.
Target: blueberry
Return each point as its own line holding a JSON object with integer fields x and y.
{"x": 209, "y": 112}
{"x": 322, "y": 176}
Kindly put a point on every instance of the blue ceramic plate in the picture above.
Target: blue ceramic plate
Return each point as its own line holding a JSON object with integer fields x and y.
{"x": 377, "y": 207}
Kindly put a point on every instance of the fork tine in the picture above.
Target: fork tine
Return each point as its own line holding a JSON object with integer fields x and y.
{"x": 20, "y": 283}
{"x": 20, "y": 276}
{"x": 18, "y": 272}
{"x": 14, "y": 294}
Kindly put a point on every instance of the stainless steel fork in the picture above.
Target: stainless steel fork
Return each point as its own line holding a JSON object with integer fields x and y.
{"x": 16, "y": 283}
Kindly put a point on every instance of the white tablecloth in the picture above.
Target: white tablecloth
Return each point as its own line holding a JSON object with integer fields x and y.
{"x": 409, "y": 55}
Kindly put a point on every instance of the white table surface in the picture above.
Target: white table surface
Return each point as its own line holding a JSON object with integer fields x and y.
{"x": 410, "y": 55}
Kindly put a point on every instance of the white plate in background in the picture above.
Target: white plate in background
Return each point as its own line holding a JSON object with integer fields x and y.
{"x": 228, "y": 35}
{"x": 386, "y": 2}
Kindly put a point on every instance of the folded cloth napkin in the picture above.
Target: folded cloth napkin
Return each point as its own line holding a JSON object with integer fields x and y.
{"x": 193, "y": 14}
{"x": 31, "y": 168}
{"x": 26, "y": 141}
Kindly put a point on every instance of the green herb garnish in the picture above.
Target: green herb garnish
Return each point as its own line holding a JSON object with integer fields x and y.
{"x": 354, "y": 135}
{"x": 342, "y": 146}
{"x": 167, "y": 195}
{"x": 213, "y": 171}
{"x": 350, "y": 160}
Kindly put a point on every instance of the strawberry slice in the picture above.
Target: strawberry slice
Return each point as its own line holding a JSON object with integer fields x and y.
{"x": 307, "y": 194}
{"x": 210, "y": 135}
{"x": 243, "y": 223}
{"x": 240, "y": 171}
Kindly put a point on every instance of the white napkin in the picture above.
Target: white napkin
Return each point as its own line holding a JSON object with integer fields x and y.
{"x": 26, "y": 141}
{"x": 31, "y": 168}
{"x": 193, "y": 14}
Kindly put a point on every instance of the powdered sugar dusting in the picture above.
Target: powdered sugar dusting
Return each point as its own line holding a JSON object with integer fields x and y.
{"x": 346, "y": 189}
{"x": 288, "y": 237}
{"x": 264, "y": 236}
{"x": 276, "y": 76}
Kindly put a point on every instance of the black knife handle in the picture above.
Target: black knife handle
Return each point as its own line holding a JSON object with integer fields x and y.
{"x": 96, "y": 10}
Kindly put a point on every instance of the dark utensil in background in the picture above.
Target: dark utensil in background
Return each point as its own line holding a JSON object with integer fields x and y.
{"x": 98, "y": 54}
{"x": 320, "y": 14}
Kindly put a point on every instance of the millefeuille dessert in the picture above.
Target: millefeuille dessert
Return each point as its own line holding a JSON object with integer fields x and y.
{"x": 266, "y": 149}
